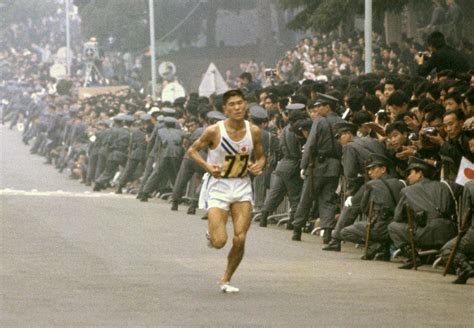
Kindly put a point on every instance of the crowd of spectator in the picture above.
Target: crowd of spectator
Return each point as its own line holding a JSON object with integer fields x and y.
{"x": 331, "y": 133}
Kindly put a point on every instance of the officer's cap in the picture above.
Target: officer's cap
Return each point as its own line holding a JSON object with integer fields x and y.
{"x": 145, "y": 117}
{"x": 324, "y": 99}
{"x": 295, "y": 115}
{"x": 153, "y": 110}
{"x": 344, "y": 127}
{"x": 167, "y": 111}
{"x": 170, "y": 120}
{"x": 215, "y": 115}
{"x": 418, "y": 163}
{"x": 258, "y": 112}
{"x": 377, "y": 160}
{"x": 119, "y": 117}
{"x": 128, "y": 119}
{"x": 295, "y": 106}
{"x": 105, "y": 123}
{"x": 160, "y": 118}
{"x": 303, "y": 124}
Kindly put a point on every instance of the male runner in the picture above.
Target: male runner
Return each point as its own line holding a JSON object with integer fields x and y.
{"x": 226, "y": 185}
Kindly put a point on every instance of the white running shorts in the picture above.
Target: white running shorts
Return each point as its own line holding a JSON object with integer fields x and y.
{"x": 221, "y": 193}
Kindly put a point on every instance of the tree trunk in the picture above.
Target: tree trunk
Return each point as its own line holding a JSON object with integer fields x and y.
{"x": 283, "y": 36}
{"x": 211, "y": 25}
{"x": 411, "y": 20}
{"x": 348, "y": 24}
{"x": 468, "y": 23}
{"x": 265, "y": 37}
{"x": 393, "y": 27}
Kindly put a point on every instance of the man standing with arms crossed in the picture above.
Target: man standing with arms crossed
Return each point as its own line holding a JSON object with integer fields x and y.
{"x": 227, "y": 189}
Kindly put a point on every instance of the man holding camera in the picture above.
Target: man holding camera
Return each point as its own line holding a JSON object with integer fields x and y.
{"x": 440, "y": 57}
{"x": 455, "y": 147}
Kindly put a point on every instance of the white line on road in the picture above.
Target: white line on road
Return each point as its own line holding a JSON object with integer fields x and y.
{"x": 60, "y": 193}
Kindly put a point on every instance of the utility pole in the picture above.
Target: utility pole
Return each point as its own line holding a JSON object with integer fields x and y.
{"x": 368, "y": 36}
{"x": 153, "y": 49}
{"x": 68, "y": 41}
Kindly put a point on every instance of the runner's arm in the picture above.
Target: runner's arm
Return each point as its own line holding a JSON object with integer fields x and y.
{"x": 260, "y": 160}
{"x": 206, "y": 140}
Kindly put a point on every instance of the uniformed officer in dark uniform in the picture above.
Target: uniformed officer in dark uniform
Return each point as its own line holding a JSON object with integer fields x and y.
{"x": 465, "y": 250}
{"x": 433, "y": 207}
{"x": 53, "y": 134}
{"x": 169, "y": 142}
{"x": 322, "y": 159}
{"x": 68, "y": 122}
{"x": 117, "y": 150}
{"x": 285, "y": 179}
{"x": 93, "y": 151}
{"x": 187, "y": 169}
{"x": 384, "y": 192}
{"x": 355, "y": 152}
{"x": 45, "y": 121}
{"x": 259, "y": 117}
{"x": 190, "y": 168}
{"x": 77, "y": 135}
{"x": 103, "y": 152}
{"x": 151, "y": 149}
{"x": 136, "y": 151}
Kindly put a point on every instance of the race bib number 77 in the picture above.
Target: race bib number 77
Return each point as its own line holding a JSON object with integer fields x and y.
{"x": 235, "y": 166}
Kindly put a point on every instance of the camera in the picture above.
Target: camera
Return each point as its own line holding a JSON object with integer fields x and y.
{"x": 425, "y": 140}
{"x": 382, "y": 115}
{"x": 413, "y": 136}
{"x": 270, "y": 72}
{"x": 91, "y": 50}
{"x": 422, "y": 54}
{"x": 430, "y": 131}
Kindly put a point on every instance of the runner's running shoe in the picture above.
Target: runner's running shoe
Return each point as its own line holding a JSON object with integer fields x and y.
{"x": 226, "y": 288}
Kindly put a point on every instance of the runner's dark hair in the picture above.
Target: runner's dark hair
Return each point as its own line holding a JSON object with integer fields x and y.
{"x": 232, "y": 93}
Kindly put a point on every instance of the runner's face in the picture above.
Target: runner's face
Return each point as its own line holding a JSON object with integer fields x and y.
{"x": 235, "y": 108}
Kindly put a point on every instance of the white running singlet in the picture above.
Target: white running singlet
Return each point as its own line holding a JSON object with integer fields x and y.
{"x": 233, "y": 158}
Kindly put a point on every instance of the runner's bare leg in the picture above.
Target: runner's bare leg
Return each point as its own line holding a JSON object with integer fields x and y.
{"x": 241, "y": 218}
{"x": 217, "y": 222}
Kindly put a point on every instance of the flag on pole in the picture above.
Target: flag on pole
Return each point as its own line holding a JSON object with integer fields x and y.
{"x": 466, "y": 172}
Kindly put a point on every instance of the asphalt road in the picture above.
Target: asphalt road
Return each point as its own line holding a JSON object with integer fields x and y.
{"x": 70, "y": 257}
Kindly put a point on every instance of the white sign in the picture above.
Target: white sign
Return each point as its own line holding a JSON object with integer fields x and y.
{"x": 58, "y": 71}
{"x": 212, "y": 82}
{"x": 61, "y": 56}
{"x": 466, "y": 172}
{"x": 172, "y": 91}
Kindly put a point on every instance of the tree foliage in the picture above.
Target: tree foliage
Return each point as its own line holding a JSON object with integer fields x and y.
{"x": 127, "y": 21}
{"x": 327, "y": 15}
{"x": 123, "y": 20}
{"x": 16, "y": 11}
